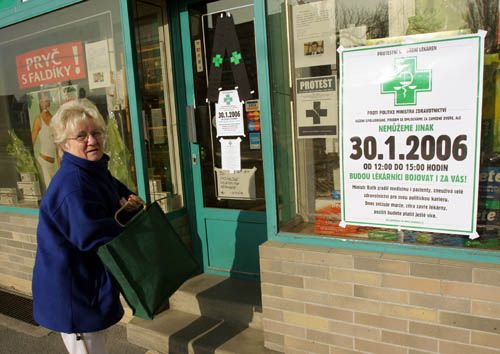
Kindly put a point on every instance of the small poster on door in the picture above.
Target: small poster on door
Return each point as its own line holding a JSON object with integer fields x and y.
{"x": 98, "y": 65}
{"x": 230, "y": 154}
{"x": 229, "y": 114}
{"x": 237, "y": 185}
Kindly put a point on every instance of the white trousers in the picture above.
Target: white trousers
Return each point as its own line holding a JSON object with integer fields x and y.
{"x": 47, "y": 169}
{"x": 89, "y": 343}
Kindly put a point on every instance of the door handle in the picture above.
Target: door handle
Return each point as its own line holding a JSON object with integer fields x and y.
{"x": 191, "y": 125}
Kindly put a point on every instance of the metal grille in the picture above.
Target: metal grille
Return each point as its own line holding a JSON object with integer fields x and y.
{"x": 16, "y": 306}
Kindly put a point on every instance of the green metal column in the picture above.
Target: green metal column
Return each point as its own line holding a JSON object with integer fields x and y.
{"x": 134, "y": 98}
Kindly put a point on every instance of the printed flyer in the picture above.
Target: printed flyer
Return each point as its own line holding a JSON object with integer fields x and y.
{"x": 314, "y": 34}
{"x": 410, "y": 117}
{"x": 230, "y": 154}
{"x": 229, "y": 114}
{"x": 98, "y": 65}
{"x": 316, "y": 99}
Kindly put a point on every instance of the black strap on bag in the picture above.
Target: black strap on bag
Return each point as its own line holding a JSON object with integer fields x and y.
{"x": 226, "y": 42}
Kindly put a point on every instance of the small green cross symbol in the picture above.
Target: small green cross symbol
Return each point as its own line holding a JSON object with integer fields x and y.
{"x": 407, "y": 81}
{"x": 235, "y": 58}
{"x": 228, "y": 99}
{"x": 217, "y": 60}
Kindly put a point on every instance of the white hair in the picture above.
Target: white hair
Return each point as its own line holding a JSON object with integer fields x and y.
{"x": 70, "y": 114}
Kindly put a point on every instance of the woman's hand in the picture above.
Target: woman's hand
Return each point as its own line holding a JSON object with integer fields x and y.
{"x": 133, "y": 203}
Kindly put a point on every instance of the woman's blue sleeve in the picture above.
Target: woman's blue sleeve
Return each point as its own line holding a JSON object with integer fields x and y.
{"x": 86, "y": 222}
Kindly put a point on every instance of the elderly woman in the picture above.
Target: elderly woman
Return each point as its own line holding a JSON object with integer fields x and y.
{"x": 72, "y": 292}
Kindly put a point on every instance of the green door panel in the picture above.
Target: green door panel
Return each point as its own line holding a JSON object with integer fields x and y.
{"x": 233, "y": 245}
{"x": 6, "y": 5}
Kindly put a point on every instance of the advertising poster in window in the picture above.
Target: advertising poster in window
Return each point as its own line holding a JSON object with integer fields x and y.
{"x": 317, "y": 115}
{"x": 49, "y": 65}
{"x": 410, "y": 119}
{"x": 314, "y": 34}
{"x": 42, "y": 105}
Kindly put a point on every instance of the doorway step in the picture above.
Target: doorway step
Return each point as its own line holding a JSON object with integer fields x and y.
{"x": 208, "y": 314}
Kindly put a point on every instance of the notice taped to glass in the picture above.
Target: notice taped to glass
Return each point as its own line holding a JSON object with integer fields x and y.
{"x": 316, "y": 99}
{"x": 410, "y": 117}
{"x": 236, "y": 184}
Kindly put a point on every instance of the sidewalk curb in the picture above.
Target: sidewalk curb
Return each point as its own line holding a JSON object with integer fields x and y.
{"x": 20, "y": 326}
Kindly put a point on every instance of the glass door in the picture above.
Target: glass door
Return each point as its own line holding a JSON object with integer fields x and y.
{"x": 222, "y": 93}
{"x": 220, "y": 189}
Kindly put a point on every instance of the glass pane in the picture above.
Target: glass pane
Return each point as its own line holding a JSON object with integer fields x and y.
{"x": 157, "y": 105}
{"x": 204, "y": 19}
{"x": 73, "y": 53}
{"x": 308, "y": 177}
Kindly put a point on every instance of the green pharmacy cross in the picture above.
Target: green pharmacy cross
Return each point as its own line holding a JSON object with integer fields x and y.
{"x": 228, "y": 99}
{"x": 217, "y": 60}
{"x": 235, "y": 58}
{"x": 407, "y": 81}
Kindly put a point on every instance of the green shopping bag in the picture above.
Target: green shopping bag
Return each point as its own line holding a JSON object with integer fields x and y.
{"x": 148, "y": 260}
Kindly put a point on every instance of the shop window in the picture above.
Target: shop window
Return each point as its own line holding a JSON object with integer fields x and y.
{"x": 303, "y": 40}
{"x": 158, "y": 106}
{"x": 76, "y": 52}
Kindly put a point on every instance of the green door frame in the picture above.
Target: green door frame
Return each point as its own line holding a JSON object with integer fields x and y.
{"x": 185, "y": 96}
{"x": 181, "y": 104}
{"x": 134, "y": 98}
{"x": 266, "y": 117}
{"x": 14, "y": 11}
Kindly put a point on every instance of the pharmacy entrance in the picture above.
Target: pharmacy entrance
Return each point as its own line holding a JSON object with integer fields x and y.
{"x": 221, "y": 71}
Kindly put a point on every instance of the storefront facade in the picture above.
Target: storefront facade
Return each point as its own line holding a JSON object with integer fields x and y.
{"x": 255, "y": 187}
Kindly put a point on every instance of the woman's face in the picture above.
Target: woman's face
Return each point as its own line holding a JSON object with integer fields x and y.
{"x": 44, "y": 103}
{"x": 86, "y": 142}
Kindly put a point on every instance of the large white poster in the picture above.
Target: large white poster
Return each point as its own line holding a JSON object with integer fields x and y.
{"x": 314, "y": 39}
{"x": 410, "y": 118}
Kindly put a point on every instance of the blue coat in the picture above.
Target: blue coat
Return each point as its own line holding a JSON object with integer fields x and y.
{"x": 72, "y": 292}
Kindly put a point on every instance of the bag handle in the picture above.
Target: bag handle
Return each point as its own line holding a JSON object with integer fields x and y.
{"x": 144, "y": 206}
